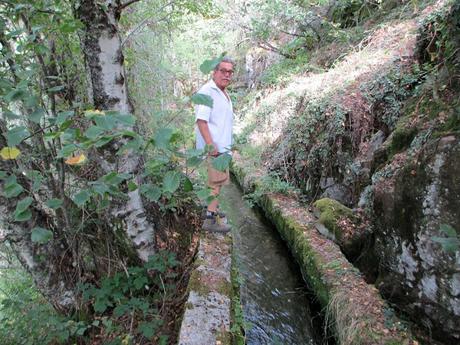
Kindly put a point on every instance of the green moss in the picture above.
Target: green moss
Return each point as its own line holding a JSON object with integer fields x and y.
{"x": 225, "y": 288}
{"x": 225, "y": 338}
{"x": 331, "y": 211}
{"x": 293, "y": 234}
{"x": 189, "y": 305}
{"x": 236, "y": 312}
{"x": 195, "y": 284}
{"x": 401, "y": 139}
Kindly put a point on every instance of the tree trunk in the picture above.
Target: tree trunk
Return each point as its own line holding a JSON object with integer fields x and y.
{"x": 80, "y": 250}
{"x": 47, "y": 263}
{"x": 108, "y": 90}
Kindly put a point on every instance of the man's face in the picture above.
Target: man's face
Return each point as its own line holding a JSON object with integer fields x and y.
{"x": 223, "y": 75}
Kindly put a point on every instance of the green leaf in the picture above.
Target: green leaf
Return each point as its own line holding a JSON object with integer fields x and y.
{"x": 135, "y": 144}
{"x": 107, "y": 122}
{"x": 129, "y": 134}
{"x": 121, "y": 309}
{"x": 52, "y": 135}
{"x": 209, "y": 65}
{"x": 23, "y": 216}
{"x": 15, "y": 95}
{"x": 67, "y": 150}
{"x": 71, "y": 134}
{"x": 450, "y": 244}
{"x": 12, "y": 188}
{"x": 56, "y": 88}
{"x": 10, "y": 115}
{"x": 125, "y": 119}
{"x": 194, "y": 162}
{"x": 36, "y": 178}
{"x": 81, "y": 330}
{"x": 22, "y": 212}
{"x": 194, "y": 153}
{"x": 16, "y": 135}
{"x": 63, "y": 116}
{"x": 100, "y": 188}
{"x": 100, "y": 305}
{"x": 153, "y": 193}
{"x": 104, "y": 141}
{"x": 23, "y": 204}
{"x": 448, "y": 230}
{"x": 114, "y": 179}
{"x": 3, "y": 175}
{"x": 188, "y": 186}
{"x": 15, "y": 33}
{"x": 200, "y": 98}
{"x": 70, "y": 26}
{"x": 171, "y": 181}
{"x": 140, "y": 282}
{"x": 31, "y": 101}
{"x": 147, "y": 329}
{"x": 41, "y": 235}
{"x": 54, "y": 203}
{"x": 81, "y": 198}
{"x": 42, "y": 49}
{"x": 37, "y": 115}
{"x": 205, "y": 194}
{"x": 132, "y": 186}
{"x": 163, "y": 137}
{"x": 222, "y": 162}
{"x": 93, "y": 132}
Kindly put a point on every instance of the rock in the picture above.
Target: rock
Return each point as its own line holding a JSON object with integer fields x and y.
{"x": 411, "y": 204}
{"x": 338, "y": 223}
{"x": 338, "y": 192}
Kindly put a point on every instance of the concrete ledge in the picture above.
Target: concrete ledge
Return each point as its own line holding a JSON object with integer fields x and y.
{"x": 206, "y": 318}
{"x": 355, "y": 309}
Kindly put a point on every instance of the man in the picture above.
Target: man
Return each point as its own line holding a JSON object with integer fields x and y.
{"x": 214, "y": 127}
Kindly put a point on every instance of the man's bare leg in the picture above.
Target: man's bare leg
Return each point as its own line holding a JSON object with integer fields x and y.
{"x": 215, "y": 191}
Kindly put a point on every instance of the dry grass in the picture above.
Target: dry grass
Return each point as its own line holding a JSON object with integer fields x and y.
{"x": 340, "y": 317}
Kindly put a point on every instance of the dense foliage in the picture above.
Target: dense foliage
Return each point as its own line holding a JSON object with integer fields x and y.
{"x": 70, "y": 167}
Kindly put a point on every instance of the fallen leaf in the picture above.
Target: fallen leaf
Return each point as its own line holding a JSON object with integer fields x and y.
{"x": 76, "y": 159}
{"x": 94, "y": 112}
{"x": 9, "y": 153}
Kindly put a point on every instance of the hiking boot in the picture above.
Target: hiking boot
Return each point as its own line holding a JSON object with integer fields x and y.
{"x": 215, "y": 224}
{"x": 221, "y": 214}
{"x": 218, "y": 213}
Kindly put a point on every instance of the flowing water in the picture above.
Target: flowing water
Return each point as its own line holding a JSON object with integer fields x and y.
{"x": 273, "y": 294}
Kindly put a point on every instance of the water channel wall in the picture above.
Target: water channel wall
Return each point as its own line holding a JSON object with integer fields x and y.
{"x": 212, "y": 313}
{"x": 354, "y": 310}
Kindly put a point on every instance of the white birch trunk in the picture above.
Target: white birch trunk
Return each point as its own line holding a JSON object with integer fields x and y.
{"x": 104, "y": 62}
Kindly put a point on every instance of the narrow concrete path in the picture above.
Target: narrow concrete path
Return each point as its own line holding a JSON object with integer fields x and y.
{"x": 206, "y": 319}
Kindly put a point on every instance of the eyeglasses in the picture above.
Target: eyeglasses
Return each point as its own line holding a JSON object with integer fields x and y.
{"x": 226, "y": 71}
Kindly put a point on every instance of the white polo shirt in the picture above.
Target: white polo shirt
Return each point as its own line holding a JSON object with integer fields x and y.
{"x": 219, "y": 118}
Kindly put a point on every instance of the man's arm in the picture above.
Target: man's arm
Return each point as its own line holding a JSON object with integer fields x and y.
{"x": 204, "y": 130}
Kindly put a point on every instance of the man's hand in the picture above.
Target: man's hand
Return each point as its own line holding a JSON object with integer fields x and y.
{"x": 213, "y": 152}
{"x": 204, "y": 130}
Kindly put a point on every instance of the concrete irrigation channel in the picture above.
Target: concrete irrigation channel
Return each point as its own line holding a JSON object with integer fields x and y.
{"x": 255, "y": 285}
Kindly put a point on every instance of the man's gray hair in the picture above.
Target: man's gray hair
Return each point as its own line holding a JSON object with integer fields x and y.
{"x": 225, "y": 59}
